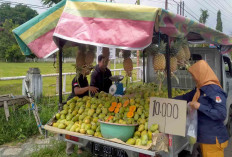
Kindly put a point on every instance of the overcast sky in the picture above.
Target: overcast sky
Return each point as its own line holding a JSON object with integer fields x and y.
{"x": 192, "y": 9}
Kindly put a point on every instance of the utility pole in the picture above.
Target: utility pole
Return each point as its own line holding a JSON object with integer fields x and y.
{"x": 183, "y": 8}
{"x": 180, "y": 7}
{"x": 138, "y": 3}
{"x": 166, "y": 4}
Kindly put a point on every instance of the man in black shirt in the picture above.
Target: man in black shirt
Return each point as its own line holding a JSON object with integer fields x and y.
{"x": 100, "y": 76}
{"x": 80, "y": 88}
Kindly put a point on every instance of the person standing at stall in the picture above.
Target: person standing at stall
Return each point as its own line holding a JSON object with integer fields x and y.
{"x": 100, "y": 76}
{"x": 80, "y": 88}
{"x": 209, "y": 100}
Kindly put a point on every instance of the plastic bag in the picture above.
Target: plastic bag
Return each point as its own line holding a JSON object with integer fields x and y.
{"x": 192, "y": 125}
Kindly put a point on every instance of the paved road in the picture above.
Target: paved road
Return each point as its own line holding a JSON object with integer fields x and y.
{"x": 228, "y": 150}
{"x": 36, "y": 144}
{"x": 22, "y": 150}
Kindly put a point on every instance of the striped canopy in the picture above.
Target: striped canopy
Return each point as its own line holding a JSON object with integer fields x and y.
{"x": 109, "y": 25}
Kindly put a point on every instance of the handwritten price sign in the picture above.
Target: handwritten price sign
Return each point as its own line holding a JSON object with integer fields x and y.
{"x": 170, "y": 114}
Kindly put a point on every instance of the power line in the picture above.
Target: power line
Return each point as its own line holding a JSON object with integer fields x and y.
{"x": 187, "y": 12}
{"x": 214, "y": 13}
{"x": 208, "y": 8}
{"x": 228, "y": 4}
{"x": 29, "y": 5}
{"x": 215, "y": 8}
{"x": 192, "y": 11}
{"x": 223, "y": 7}
{"x": 24, "y": 5}
{"x": 160, "y": 1}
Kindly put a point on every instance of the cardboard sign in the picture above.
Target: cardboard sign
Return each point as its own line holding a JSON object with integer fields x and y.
{"x": 169, "y": 114}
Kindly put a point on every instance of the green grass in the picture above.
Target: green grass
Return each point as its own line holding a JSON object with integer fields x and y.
{"x": 49, "y": 83}
{"x": 57, "y": 150}
{"x": 21, "y": 125}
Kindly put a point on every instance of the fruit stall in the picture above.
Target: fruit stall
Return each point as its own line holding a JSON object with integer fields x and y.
{"x": 135, "y": 123}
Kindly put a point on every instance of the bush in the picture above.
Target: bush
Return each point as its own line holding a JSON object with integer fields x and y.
{"x": 21, "y": 125}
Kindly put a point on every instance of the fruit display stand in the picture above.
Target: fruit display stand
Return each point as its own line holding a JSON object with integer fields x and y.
{"x": 112, "y": 143}
{"x": 125, "y": 121}
{"x": 122, "y": 26}
{"x": 115, "y": 143}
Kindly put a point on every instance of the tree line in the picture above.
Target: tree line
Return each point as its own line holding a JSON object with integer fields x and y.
{"x": 205, "y": 15}
{"x": 12, "y": 17}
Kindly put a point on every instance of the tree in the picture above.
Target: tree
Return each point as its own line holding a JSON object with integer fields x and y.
{"x": 10, "y": 18}
{"x": 204, "y": 16}
{"x": 19, "y": 14}
{"x": 219, "y": 21}
{"x": 50, "y": 2}
{"x": 9, "y": 49}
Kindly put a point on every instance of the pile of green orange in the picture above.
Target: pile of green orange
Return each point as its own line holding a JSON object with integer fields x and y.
{"x": 82, "y": 114}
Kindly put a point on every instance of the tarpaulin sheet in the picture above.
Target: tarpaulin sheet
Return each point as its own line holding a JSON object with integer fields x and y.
{"x": 107, "y": 24}
{"x": 114, "y": 25}
{"x": 36, "y": 35}
{"x": 179, "y": 26}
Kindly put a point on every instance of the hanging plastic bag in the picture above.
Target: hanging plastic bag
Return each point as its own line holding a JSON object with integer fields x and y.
{"x": 192, "y": 125}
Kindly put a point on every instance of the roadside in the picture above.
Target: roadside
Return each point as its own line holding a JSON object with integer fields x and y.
{"x": 24, "y": 149}
{"x": 38, "y": 143}
{"x": 228, "y": 150}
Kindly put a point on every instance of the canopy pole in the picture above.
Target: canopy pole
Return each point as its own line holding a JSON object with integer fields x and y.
{"x": 166, "y": 38}
{"x": 60, "y": 77}
{"x": 144, "y": 66}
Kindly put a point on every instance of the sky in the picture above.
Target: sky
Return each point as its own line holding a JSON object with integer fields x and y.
{"x": 192, "y": 9}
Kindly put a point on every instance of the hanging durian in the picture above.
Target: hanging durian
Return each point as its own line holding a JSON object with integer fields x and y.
{"x": 106, "y": 55}
{"x": 90, "y": 55}
{"x": 106, "y": 52}
{"x": 127, "y": 62}
{"x": 80, "y": 61}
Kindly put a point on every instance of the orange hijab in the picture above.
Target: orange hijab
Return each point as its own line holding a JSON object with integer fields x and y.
{"x": 203, "y": 75}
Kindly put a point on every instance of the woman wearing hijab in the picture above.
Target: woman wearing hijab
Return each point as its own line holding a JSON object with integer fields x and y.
{"x": 209, "y": 99}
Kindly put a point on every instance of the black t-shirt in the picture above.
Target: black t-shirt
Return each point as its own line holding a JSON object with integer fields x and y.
{"x": 81, "y": 83}
{"x": 101, "y": 79}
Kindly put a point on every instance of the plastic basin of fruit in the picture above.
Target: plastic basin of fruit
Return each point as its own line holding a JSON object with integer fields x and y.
{"x": 119, "y": 131}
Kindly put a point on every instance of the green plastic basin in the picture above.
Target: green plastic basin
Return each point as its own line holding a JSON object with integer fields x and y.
{"x": 119, "y": 131}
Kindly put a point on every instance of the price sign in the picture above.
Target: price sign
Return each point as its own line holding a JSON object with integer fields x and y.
{"x": 169, "y": 114}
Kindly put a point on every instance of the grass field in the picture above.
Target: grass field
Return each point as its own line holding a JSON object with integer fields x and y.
{"x": 57, "y": 150}
{"x": 49, "y": 83}
{"x": 21, "y": 125}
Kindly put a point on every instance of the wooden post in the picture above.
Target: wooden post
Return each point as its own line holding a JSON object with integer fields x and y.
{"x": 57, "y": 71}
{"x": 138, "y": 3}
{"x": 6, "y": 109}
{"x": 33, "y": 107}
{"x": 64, "y": 84}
